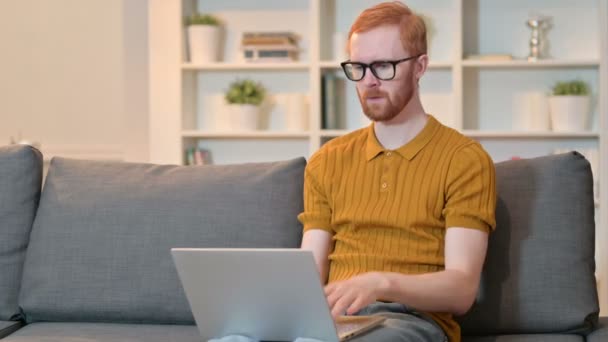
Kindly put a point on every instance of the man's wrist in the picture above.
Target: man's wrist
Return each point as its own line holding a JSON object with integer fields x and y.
{"x": 383, "y": 289}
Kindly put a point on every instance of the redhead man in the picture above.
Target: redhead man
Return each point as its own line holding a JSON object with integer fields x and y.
{"x": 397, "y": 214}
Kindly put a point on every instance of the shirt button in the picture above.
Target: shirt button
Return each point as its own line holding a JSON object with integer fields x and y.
{"x": 384, "y": 185}
{"x": 389, "y": 153}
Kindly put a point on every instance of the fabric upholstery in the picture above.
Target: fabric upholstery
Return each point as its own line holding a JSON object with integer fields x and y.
{"x": 20, "y": 182}
{"x": 100, "y": 245}
{"x": 91, "y": 332}
{"x": 539, "y": 271}
{"x": 8, "y": 327}
{"x": 601, "y": 334}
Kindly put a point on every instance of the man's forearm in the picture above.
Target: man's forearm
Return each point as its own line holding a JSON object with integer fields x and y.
{"x": 445, "y": 291}
{"x": 318, "y": 241}
{"x": 322, "y": 267}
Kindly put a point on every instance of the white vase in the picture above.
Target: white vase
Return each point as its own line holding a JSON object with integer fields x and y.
{"x": 204, "y": 43}
{"x": 531, "y": 112}
{"x": 296, "y": 113}
{"x": 217, "y": 113}
{"x": 244, "y": 117}
{"x": 569, "y": 113}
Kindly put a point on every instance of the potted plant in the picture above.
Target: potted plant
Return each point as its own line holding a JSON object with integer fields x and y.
{"x": 245, "y": 97}
{"x": 569, "y": 106}
{"x": 203, "y": 38}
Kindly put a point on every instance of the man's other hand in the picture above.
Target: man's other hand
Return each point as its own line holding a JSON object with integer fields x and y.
{"x": 350, "y": 296}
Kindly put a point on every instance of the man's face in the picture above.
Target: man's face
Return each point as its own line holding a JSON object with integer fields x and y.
{"x": 383, "y": 100}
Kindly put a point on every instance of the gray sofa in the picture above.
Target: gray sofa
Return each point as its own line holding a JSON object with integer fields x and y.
{"x": 87, "y": 258}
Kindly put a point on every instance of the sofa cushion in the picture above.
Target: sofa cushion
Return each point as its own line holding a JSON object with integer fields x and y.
{"x": 526, "y": 338}
{"x": 100, "y": 246}
{"x": 20, "y": 181}
{"x": 90, "y": 332}
{"x": 8, "y": 327}
{"x": 539, "y": 271}
{"x": 601, "y": 334}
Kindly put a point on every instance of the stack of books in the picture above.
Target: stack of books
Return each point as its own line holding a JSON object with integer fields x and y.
{"x": 270, "y": 47}
{"x": 198, "y": 156}
{"x": 333, "y": 95}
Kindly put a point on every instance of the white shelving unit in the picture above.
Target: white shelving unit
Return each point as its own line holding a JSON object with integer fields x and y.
{"x": 244, "y": 135}
{"x": 479, "y": 98}
{"x": 582, "y": 63}
{"x": 528, "y": 135}
{"x": 246, "y": 66}
{"x": 336, "y": 65}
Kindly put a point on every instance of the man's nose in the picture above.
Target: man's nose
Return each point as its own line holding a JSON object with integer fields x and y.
{"x": 370, "y": 80}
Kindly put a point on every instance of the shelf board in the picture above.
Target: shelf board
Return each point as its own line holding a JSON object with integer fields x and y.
{"x": 496, "y": 134}
{"x": 332, "y": 133}
{"x": 525, "y": 64}
{"x": 245, "y": 66}
{"x": 226, "y": 66}
{"x": 245, "y": 135}
{"x": 432, "y": 65}
{"x": 530, "y": 135}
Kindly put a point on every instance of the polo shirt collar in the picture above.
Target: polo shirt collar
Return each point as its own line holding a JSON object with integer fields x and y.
{"x": 373, "y": 147}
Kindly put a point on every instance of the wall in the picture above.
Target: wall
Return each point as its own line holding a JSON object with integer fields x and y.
{"x": 73, "y": 76}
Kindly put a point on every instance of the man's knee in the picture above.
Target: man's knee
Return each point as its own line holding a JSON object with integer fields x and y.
{"x": 411, "y": 329}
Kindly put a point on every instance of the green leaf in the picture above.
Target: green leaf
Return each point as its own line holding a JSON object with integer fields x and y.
{"x": 577, "y": 88}
{"x": 245, "y": 92}
{"x": 202, "y": 19}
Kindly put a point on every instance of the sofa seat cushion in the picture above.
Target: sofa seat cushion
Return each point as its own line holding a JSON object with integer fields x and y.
{"x": 20, "y": 181}
{"x": 100, "y": 245}
{"x": 526, "y": 338}
{"x": 89, "y": 332}
{"x": 539, "y": 274}
{"x": 601, "y": 334}
{"x": 8, "y": 327}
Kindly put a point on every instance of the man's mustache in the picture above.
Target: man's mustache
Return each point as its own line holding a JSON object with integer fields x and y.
{"x": 374, "y": 93}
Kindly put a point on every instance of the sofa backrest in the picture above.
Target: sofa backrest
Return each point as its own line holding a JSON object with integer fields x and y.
{"x": 539, "y": 271}
{"x": 100, "y": 245}
{"x": 20, "y": 181}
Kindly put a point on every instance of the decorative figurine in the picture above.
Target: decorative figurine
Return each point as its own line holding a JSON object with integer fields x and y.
{"x": 538, "y": 24}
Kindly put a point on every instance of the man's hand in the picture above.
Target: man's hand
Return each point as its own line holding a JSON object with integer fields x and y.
{"x": 354, "y": 294}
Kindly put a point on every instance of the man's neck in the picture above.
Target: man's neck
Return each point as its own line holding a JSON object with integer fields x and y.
{"x": 402, "y": 129}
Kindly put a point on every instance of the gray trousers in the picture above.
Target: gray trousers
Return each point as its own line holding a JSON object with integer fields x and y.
{"x": 402, "y": 324}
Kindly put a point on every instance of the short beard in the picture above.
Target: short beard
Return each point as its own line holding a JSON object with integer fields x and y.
{"x": 389, "y": 109}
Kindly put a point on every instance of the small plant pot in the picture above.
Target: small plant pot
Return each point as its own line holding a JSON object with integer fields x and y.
{"x": 569, "y": 113}
{"x": 244, "y": 117}
{"x": 204, "y": 43}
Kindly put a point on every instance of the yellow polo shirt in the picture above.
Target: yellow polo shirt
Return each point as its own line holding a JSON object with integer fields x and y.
{"x": 388, "y": 210}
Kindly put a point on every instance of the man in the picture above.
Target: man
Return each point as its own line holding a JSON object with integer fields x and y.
{"x": 397, "y": 214}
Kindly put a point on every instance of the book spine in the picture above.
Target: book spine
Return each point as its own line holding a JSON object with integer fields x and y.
{"x": 198, "y": 157}
{"x": 331, "y": 115}
{"x": 190, "y": 156}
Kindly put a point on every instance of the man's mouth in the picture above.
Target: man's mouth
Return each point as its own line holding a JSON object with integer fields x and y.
{"x": 375, "y": 98}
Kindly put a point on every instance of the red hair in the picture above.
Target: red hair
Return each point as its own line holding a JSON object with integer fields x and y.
{"x": 411, "y": 26}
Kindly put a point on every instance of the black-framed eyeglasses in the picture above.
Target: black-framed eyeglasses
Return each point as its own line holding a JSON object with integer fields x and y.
{"x": 383, "y": 70}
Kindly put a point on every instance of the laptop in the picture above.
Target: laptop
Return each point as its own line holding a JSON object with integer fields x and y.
{"x": 265, "y": 294}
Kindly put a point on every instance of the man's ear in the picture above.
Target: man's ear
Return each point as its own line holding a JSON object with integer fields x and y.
{"x": 422, "y": 63}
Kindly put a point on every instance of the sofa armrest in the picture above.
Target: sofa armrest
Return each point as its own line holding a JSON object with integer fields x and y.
{"x": 601, "y": 333}
{"x": 9, "y": 327}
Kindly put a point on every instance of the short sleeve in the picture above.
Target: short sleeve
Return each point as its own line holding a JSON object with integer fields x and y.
{"x": 317, "y": 212}
{"x": 471, "y": 190}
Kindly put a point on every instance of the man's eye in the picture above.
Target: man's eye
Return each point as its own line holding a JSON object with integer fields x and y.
{"x": 382, "y": 66}
{"x": 356, "y": 67}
